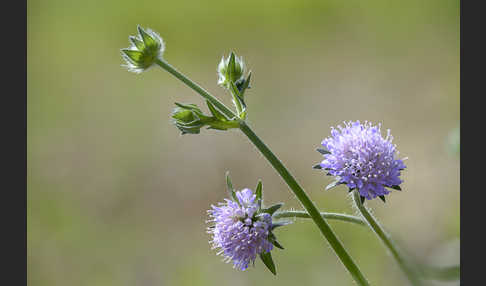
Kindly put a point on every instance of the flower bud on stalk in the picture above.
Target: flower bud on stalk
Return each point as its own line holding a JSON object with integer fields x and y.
{"x": 190, "y": 119}
{"x": 231, "y": 69}
{"x": 145, "y": 49}
{"x": 231, "y": 75}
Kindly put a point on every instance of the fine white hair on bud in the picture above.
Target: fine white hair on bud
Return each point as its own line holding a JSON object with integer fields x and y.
{"x": 145, "y": 49}
{"x": 231, "y": 69}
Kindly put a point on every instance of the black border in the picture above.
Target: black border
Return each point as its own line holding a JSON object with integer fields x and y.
{"x": 14, "y": 140}
{"x": 472, "y": 170}
{"x": 13, "y": 117}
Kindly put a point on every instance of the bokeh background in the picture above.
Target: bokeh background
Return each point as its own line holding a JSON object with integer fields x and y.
{"x": 117, "y": 197}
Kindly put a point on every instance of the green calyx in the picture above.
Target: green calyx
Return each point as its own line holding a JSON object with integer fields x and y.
{"x": 231, "y": 73}
{"x": 189, "y": 119}
{"x": 231, "y": 70}
{"x": 145, "y": 49}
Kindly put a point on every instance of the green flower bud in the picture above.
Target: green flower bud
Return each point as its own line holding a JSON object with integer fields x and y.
{"x": 231, "y": 69}
{"x": 190, "y": 119}
{"x": 145, "y": 49}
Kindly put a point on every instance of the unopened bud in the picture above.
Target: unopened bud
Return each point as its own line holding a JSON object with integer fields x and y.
{"x": 231, "y": 69}
{"x": 145, "y": 49}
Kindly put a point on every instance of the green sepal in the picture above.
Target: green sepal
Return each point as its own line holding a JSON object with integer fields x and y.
{"x": 272, "y": 209}
{"x": 337, "y": 182}
{"x": 273, "y": 240}
{"x": 204, "y": 119}
{"x": 280, "y": 223}
{"x": 216, "y": 113}
{"x": 277, "y": 244}
{"x": 190, "y": 106}
{"x": 245, "y": 85}
{"x": 132, "y": 55}
{"x": 231, "y": 69}
{"x": 318, "y": 167}
{"x": 259, "y": 194}
{"x": 230, "y": 189}
{"x": 266, "y": 258}
{"x": 183, "y": 114}
{"x": 323, "y": 151}
{"x": 238, "y": 100}
{"x": 147, "y": 39}
{"x": 243, "y": 114}
{"x": 189, "y": 130}
{"x": 217, "y": 128}
{"x": 136, "y": 42}
{"x": 383, "y": 198}
{"x": 363, "y": 199}
{"x": 396, "y": 187}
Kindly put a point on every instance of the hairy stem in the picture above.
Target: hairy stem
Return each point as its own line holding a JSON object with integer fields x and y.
{"x": 333, "y": 216}
{"x": 307, "y": 204}
{"x": 411, "y": 272}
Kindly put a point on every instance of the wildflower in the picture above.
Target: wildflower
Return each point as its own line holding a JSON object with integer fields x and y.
{"x": 361, "y": 158}
{"x": 146, "y": 48}
{"x": 241, "y": 229}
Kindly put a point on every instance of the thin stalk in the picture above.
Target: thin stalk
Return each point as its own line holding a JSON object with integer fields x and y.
{"x": 284, "y": 173}
{"x": 333, "y": 216}
{"x": 307, "y": 204}
{"x": 411, "y": 273}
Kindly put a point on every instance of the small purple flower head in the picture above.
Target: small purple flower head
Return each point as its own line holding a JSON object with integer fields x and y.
{"x": 240, "y": 231}
{"x": 362, "y": 159}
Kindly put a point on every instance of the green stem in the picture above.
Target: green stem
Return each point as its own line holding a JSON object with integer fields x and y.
{"x": 166, "y": 66}
{"x": 223, "y": 125}
{"x": 280, "y": 168}
{"x": 448, "y": 273}
{"x": 411, "y": 273}
{"x": 333, "y": 216}
{"x": 307, "y": 204}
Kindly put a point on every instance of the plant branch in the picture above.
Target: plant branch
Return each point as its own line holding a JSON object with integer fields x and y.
{"x": 411, "y": 272}
{"x": 333, "y": 216}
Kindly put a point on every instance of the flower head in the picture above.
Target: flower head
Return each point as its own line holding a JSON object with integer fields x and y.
{"x": 144, "y": 50}
{"x": 240, "y": 230}
{"x": 362, "y": 159}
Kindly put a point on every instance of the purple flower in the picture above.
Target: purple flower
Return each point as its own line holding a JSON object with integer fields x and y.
{"x": 240, "y": 232}
{"x": 362, "y": 159}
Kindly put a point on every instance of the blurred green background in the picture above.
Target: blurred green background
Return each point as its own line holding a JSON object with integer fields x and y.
{"x": 117, "y": 197}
